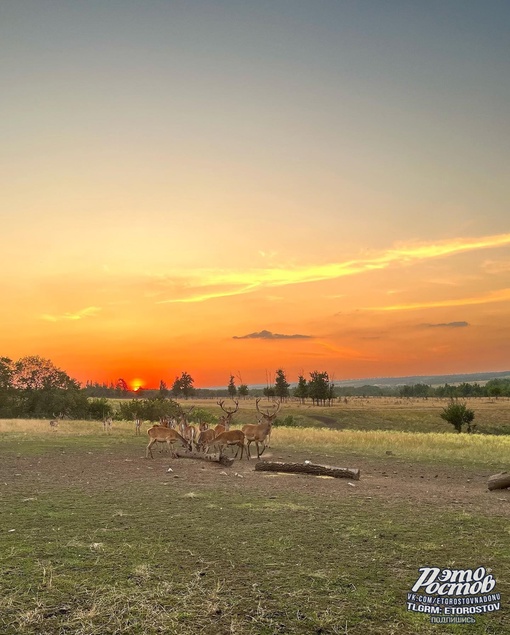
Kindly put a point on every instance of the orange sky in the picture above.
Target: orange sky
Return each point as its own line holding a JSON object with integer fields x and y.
{"x": 332, "y": 182}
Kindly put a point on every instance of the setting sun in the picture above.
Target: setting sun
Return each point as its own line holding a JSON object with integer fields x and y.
{"x": 136, "y": 384}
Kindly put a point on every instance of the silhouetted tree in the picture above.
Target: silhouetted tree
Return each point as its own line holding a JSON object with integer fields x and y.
{"x": 281, "y": 385}
{"x": 301, "y": 390}
{"x": 231, "y": 388}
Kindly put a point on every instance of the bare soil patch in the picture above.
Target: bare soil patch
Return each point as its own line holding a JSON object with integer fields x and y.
{"x": 387, "y": 478}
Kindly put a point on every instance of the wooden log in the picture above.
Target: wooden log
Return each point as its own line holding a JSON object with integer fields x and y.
{"x": 308, "y": 468}
{"x": 499, "y": 481}
{"x": 213, "y": 458}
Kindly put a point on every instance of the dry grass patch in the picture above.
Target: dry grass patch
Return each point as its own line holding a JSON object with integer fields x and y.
{"x": 442, "y": 447}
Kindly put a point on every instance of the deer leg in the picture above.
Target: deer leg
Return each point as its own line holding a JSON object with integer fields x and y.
{"x": 149, "y": 450}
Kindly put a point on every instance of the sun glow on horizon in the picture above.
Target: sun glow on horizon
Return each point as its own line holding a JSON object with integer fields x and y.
{"x": 136, "y": 384}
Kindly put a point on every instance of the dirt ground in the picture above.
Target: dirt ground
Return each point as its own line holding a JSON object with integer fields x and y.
{"x": 388, "y": 478}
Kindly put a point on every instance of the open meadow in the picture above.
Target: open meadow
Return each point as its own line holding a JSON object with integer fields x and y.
{"x": 96, "y": 539}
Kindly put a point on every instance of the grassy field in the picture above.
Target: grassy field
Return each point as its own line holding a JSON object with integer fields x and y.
{"x": 94, "y": 538}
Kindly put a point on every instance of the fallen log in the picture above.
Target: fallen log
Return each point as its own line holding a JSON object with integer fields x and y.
{"x": 201, "y": 456}
{"x": 308, "y": 468}
{"x": 499, "y": 481}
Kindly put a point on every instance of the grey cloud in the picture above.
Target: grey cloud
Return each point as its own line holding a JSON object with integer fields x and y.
{"x": 450, "y": 325}
{"x": 267, "y": 335}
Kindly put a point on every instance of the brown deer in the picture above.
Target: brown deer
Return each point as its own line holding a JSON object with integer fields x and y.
{"x": 226, "y": 419}
{"x": 206, "y": 435}
{"x": 56, "y": 419}
{"x": 258, "y": 433}
{"x": 187, "y": 430}
{"x": 268, "y": 416}
{"x": 157, "y": 434}
{"x": 138, "y": 425}
{"x": 232, "y": 437}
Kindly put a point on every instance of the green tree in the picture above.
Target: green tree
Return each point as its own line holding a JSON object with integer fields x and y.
{"x": 6, "y": 370}
{"x": 269, "y": 391}
{"x": 231, "y": 388}
{"x": 183, "y": 386}
{"x": 100, "y": 408}
{"x": 281, "y": 385}
{"x": 458, "y": 414}
{"x": 243, "y": 390}
{"x": 319, "y": 388}
{"x": 40, "y": 389}
{"x": 37, "y": 373}
{"x": 163, "y": 390}
{"x": 301, "y": 390}
{"x": 8, "y": 399}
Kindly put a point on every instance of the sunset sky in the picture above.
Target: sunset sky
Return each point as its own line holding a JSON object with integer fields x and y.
{"x": 232, "y": 187}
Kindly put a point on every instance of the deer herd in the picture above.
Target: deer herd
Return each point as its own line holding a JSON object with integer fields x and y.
{"x": 179, "y": 432}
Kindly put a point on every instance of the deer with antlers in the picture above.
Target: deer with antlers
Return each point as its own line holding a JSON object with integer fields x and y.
{"x": 56, "y": 419}
{"x": 157, "y": 434}
{"x": 226, "y": 419}
{"x": 268, "y": 416}
{"x": 259, "y": 433}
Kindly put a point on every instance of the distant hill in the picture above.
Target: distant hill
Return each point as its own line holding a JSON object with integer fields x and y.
{"x": 431, "y": 380}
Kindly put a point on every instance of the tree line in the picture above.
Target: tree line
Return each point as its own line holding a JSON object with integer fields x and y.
{"x": 34, "y": 387}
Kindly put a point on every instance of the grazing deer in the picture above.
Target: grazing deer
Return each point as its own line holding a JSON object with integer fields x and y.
{"x": 157, "y": 434}
{"x": 205, "y": 438}
{"x": 138, "y": 425}
{"x": 226, "y": 419}
{"x": 257, "y": 433}
{"x": 268, "y": 416}
{"x": 232, "y": 437}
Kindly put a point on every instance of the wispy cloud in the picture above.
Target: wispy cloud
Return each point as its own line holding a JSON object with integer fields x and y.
{"x": 90, "y": 311}
{"x": 205, "y": 285}
{"x": 449, "y": 325}
{"x": 267, "y": 335}
{"x": 496, "y": 266}
{"x": 500, "y": 295}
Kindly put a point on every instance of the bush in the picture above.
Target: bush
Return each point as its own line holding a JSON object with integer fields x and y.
{"x": 100, "y": 409}
{"x": 458, "y": 414}
{"x": 289, "y": 422}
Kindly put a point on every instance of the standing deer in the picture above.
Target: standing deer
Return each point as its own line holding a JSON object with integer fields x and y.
{"x": 226, "y": 419}
{"x": 138, "y": 425}
{"x": 107, "y": 424}
{"x": 157, "y": 434}
{"x": 268, "y": 417}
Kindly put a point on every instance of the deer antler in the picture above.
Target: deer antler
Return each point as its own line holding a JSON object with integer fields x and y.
{"x": 267, "y": 413}
{"x": 229, "y": 412}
